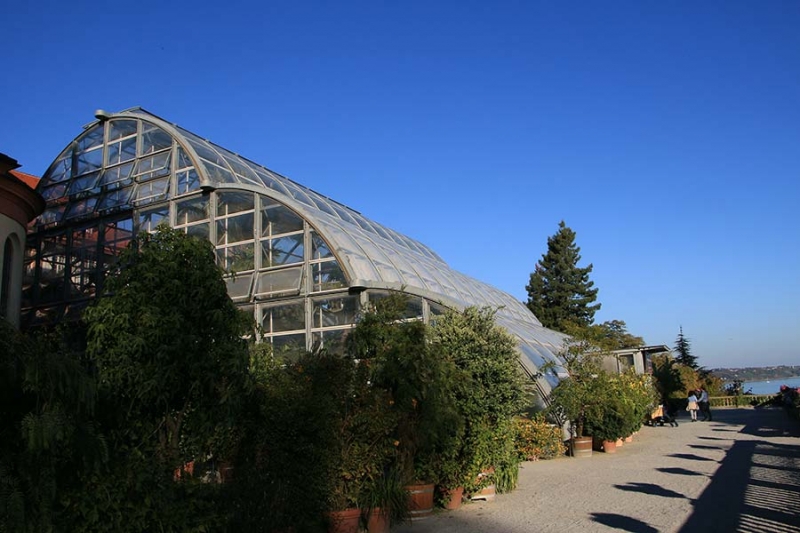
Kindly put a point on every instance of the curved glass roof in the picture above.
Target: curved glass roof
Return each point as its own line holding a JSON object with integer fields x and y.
{"x": 126, "y": 161}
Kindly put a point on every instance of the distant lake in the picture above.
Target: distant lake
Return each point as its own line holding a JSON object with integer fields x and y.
{"x": 770, "y": 387}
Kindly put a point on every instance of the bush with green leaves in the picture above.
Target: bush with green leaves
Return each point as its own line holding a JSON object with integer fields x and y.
{"x": 488, "y": 392}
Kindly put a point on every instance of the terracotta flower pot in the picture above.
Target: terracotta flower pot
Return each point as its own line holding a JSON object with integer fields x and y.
{"x": 620, "y": 443}
{"x": 453, "y": 498}
{"x": 628, "y": 439}
{"x": 378, "y": 521}
{"x": 609, "y": 446}
{"x": 346, "y": 521}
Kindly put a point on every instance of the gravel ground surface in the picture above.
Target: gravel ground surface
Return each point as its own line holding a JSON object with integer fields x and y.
{"x": 739, "y": 472}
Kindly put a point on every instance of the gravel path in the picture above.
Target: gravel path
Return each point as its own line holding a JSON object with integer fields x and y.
{"x": 740, "y": 472}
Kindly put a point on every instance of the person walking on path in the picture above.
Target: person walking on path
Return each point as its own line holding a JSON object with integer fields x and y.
{"x": 692, "y": 405}
{"x": 705, "y": 406}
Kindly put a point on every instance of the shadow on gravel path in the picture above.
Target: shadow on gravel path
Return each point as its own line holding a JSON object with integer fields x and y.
{"x": 757, "y": 485}
{"x": 623, "y": 523}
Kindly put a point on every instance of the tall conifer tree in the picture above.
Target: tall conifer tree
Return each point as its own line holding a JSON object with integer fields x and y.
{"x": 683, "y": 351}
{"x": 560, "y": 293}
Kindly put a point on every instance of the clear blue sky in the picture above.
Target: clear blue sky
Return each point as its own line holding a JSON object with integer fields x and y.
{"x": 666, "y": 134}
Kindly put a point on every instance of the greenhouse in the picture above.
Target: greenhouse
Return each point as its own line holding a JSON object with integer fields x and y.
{"x": 302, "y": 263}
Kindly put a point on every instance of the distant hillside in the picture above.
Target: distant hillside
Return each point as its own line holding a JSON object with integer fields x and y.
{"x": 758, "y": 373}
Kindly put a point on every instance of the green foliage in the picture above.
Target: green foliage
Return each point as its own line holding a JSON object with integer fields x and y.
{"x": 172, "y": 365}
{"x": 559, "y": 291}
{"x": 489, "y": 390}
{"x": 419, "y": 382}
{"x": 537, "y": 439}
{"x": 667, "y": 377}
{"x": 613, "y": 335}
{"x": 283, "y": 461}
{"x": 47, "y": 432}
{"x": 683, "y": 351}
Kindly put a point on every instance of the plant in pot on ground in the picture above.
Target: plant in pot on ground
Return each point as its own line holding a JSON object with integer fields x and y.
{"x": 417, "y": 382}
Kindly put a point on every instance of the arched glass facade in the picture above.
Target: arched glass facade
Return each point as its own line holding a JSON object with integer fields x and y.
{"x": 303, "y": 263}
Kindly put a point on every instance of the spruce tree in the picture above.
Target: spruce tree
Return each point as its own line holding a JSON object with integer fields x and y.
{"x": 683, "y": 351}
{"x": 560, "y": 293}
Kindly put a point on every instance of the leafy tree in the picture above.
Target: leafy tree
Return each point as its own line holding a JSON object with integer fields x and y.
{"x": 668, "y": 377}
{"x": 608, "y": 336}
{"x": 168, "y": 346}
{"x": 683, "y": 350}
{"x": 559, "y": 291}
{"x": 419, "y": 381}
{"x": 47, "y": 433}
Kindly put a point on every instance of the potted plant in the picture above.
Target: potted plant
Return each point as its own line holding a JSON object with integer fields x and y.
{"x": 361, "y": 447}
{"x": 487, "y": 391}
{"x": 417, "y": 382}
{"x": 384, "y": 502}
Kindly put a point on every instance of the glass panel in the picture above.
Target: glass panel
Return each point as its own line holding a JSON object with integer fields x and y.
{"x": 92, "y": 138}
{"x": 121, "y": 173}
{"x": 218, "y": 174}
{"x": 319, "y": 248}
{"x": 271, "y": 181}
{"x": 277, "y": 218}
{"x": 237, "y": 258}
{"x": 235, "y": 229}
{"x": 328, "y": 275}
{"x": 289, "y": 347}
{"x": 286, "y": 280}
{"x": 120, "y": 231}
{"x": 332, "y": 341}
{"x": 149, "y": 220}
{"x": 53, "y": 214}
{"x": 154, "y": 139}
{"x": 89, "y": 161}
{"x": 200, "y": 231}
{"x": 344, "y": 214}
{"x": 152, "y": 191}
{"x": 184, "y": 161}
{"x": 84, "y": 183}
{"x": 335, "y": 311}
{"x": 192, "y": 210}
{"x": 153, "y": 166}
{"x": 188, "y": 180}
{"x": 282, "y": 251}
{"x": 207, "y": 153}
{"x": 81, "y": 207}
{"x": 121, "y": 151}
{"x": 121, "y": 128}
{"x": 289, "y": 317}
{"x": 413, "y": 308}
{"x": 436, "y": 308}
{"x": 239, "y": 285}
{"x": 243, "y": 172}
{"x": 114, "y": 198}
{"x": 234, "y": 202}
{"x": 323, "y": 206}
{"x": 53, "y": 192}
{"x": 61, "y": 169}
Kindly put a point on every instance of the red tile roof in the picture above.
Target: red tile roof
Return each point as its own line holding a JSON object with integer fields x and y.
{"x": 28, "y": 179}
